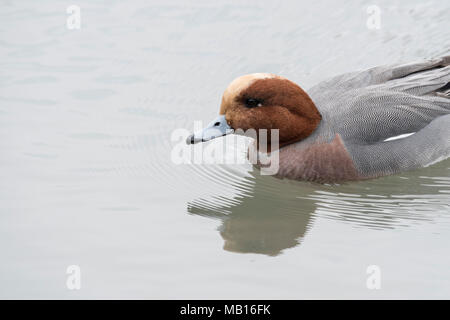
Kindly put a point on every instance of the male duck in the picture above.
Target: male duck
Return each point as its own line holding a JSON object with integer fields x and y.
{"x": 347, "y": 127}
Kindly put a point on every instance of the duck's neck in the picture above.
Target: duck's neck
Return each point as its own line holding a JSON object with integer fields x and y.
{"x": 305, "y": 127}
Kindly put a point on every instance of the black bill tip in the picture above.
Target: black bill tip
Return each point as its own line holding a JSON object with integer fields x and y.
{"x": 190, "y": 139}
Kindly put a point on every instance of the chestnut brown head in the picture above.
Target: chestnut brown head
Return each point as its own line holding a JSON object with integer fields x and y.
{"x": 264, "y": 101}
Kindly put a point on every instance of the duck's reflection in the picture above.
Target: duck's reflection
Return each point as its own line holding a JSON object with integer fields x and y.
{"x": 266, "y": 220}
{"x": 269, "y": 215}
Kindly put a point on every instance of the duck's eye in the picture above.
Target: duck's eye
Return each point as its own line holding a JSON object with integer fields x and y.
{"x": 252, "y": 103}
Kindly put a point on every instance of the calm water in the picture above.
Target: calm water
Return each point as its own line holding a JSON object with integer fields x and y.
{"x": 86, "y": 176}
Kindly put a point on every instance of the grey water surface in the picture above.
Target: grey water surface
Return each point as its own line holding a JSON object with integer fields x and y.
{"x": 87, "y": 175}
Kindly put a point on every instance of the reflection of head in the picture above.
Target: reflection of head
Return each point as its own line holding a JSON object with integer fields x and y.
{"x": 267, "y": 219}
{"x": 262, "y": 228}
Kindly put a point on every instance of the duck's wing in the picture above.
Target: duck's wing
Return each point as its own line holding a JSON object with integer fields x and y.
{"x": 371, "y": 115}
{"x": 427, "y": 146}
{"x": 365, "y": 117}
{"x": 395, "y": 101}
{"x": 374, "y": 116}
{"x": 375, "y": 76}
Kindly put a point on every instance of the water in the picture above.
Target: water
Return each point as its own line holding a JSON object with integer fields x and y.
{"x": 86, "y": 176}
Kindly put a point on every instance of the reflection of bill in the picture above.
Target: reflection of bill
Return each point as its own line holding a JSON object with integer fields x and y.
{"x": 261, "y": 222}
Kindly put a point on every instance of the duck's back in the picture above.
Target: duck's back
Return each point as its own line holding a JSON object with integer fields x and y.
{"x": 366, "y": 108}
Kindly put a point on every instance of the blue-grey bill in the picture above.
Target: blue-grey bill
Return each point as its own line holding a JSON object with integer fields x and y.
{"x": 216, "y": 128}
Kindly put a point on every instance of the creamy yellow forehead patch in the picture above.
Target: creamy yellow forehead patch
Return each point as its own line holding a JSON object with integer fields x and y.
{"x": 240, "y": 84}
{"x": 243, "y": 82}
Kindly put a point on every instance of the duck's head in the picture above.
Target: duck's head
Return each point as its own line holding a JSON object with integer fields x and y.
{"x": 263, "y": 101}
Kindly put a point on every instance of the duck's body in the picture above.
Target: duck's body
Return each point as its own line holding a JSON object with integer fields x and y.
{"x": 361, "y": 110}
{"x": 359, "y": 114}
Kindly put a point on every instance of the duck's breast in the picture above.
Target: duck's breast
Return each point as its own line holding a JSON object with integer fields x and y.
{"x": 320, "y": 162}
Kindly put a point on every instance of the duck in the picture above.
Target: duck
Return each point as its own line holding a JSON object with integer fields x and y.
{"x": 355, "y": 126}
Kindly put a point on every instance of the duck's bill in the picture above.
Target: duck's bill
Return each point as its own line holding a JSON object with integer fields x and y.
{"x": 217, "y": 128}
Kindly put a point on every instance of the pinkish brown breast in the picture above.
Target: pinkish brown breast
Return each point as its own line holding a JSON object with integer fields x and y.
{"x": 321, "y": 162}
